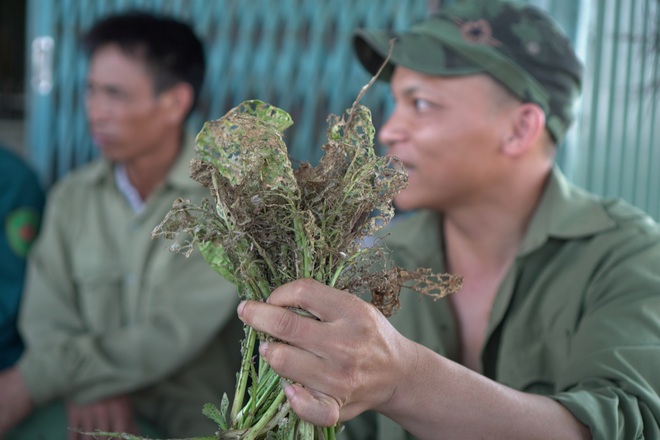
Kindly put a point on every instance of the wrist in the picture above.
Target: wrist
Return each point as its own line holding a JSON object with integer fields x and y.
{"x": 407, "y": 373}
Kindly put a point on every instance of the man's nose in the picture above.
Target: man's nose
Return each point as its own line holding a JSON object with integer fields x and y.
{"x": 96, "y": 109}
{"x": 392, "y": 131}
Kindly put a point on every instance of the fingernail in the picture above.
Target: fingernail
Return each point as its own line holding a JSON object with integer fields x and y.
{"x": 263, "y": 348}
{"x": 289, "y": 391}
{"x": 241, "y": 306}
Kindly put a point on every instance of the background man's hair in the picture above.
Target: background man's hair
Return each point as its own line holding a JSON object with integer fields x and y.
{"x": 169, "y": 48}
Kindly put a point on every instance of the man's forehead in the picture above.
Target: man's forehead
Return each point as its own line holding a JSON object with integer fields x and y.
{"x": 111, "y": 67}
{"x": 113, "y": 54}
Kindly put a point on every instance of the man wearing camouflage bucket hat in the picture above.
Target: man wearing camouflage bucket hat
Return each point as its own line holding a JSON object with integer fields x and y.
{"x": 556, "y": 331}
{"x": 516, "y": 45}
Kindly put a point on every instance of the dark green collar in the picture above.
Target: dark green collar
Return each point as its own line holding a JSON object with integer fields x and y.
{"x": 564, "y": 211}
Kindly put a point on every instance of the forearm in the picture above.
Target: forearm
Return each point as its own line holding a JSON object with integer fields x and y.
{"x": 82, "y": 368}
{"x": 88, "y": 367}
{"x": 68, "y": 357}
{"x": 379, "y": 369}
{"x": 15, "y": 401}
{"x": 440, "y": 396}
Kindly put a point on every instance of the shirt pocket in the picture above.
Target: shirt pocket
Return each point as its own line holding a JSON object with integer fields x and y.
{"x": 100, "y": 301}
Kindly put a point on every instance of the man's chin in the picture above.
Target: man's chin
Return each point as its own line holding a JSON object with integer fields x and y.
{"x": 109, "y": 151}
{"x": 404, "y": 203}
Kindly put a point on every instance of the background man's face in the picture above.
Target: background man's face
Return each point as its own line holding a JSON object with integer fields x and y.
{"x": 126, "y": 118}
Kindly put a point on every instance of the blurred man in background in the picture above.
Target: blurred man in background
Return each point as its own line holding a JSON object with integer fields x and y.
{"x": 122, "y": 335}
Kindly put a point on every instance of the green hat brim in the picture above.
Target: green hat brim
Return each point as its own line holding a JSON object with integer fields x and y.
{"x": 516, "y": 44}
{"x": 439, "y": 49}
{"x": 411, "y": 50}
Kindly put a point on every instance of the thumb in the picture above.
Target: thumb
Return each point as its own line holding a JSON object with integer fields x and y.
{"x": 316, "y": 408}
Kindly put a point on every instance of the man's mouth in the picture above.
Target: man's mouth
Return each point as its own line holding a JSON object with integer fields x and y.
{"x": 408, "y": 166}
{"x": 100, "y": 139}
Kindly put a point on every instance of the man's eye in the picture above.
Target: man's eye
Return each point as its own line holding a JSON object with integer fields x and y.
{"x": 115, "y": 93}
{"x": 421, "y": 104}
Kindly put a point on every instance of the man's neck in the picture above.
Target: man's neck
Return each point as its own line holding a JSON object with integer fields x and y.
{"x": 486, "y": 236}
{"x": 147, "y": 172}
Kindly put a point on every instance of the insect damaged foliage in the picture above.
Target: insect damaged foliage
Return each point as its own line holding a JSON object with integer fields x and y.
{"x": 266, "y": 224}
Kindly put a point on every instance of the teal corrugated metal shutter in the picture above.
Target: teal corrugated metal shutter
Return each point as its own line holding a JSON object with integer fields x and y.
{"x": 613, "y": 147}
{"x": 617, "y": 150}
{"x": 295, "y": 54}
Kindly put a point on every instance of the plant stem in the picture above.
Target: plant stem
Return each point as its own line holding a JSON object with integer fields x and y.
{"x": 306, "y": 431}
{"x": 329, "y": 433}
{"x": 246, "y": 363}
{"x": 261, "y": 392}
{"x": 256, "y": 429}
{"x": 300, "y": 236}
{"x": 284, "y": 409}
{"x": 336, "y": 274}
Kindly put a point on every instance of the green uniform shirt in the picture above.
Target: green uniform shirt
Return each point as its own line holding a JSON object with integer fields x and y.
{"x": 21, "y": 204}
{"x": 577, "y": 317}
{"x": 110, "y": 311}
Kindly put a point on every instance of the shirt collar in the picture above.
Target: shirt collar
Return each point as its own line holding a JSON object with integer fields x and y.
{"x": 420, "y": 233}
{"x": 565, "y": 212}
{"x": 178, "y": 177}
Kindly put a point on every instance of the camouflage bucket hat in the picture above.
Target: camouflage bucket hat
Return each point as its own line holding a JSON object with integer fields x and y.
{"x": 517, "y": 44}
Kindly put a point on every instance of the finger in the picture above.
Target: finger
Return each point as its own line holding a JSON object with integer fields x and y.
{"x": 99, "y": 419}
{"x": 326, "y": 303}
{"x": 315, "y": 408}
{"x": 280, "y": 323}
{"x": 298, "y": 365}
{"x": 119, "y": 418}
{"x": 73, "y": 423}
{"x": 77, "y": 422}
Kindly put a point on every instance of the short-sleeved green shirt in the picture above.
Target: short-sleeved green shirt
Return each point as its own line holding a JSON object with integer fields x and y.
{"x": 577, "y": 317}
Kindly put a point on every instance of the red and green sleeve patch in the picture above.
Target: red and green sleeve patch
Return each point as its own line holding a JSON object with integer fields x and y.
{"x": 21, "y": 230}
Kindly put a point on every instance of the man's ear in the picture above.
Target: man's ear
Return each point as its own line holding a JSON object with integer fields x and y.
{"x": 527, "y": 128}
{"x": 178, "y": 101}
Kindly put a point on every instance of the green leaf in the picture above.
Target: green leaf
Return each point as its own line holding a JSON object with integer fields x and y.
{"x": 219, "y": 417}
{"x": 246, "y": 143}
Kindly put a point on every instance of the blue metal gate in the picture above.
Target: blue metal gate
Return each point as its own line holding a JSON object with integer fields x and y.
{"x": 615, "y": 151}
{"x": 296, "y": 54}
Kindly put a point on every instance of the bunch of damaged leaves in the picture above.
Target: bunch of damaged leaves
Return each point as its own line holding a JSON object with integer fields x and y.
{"x": 267, "y": 224}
